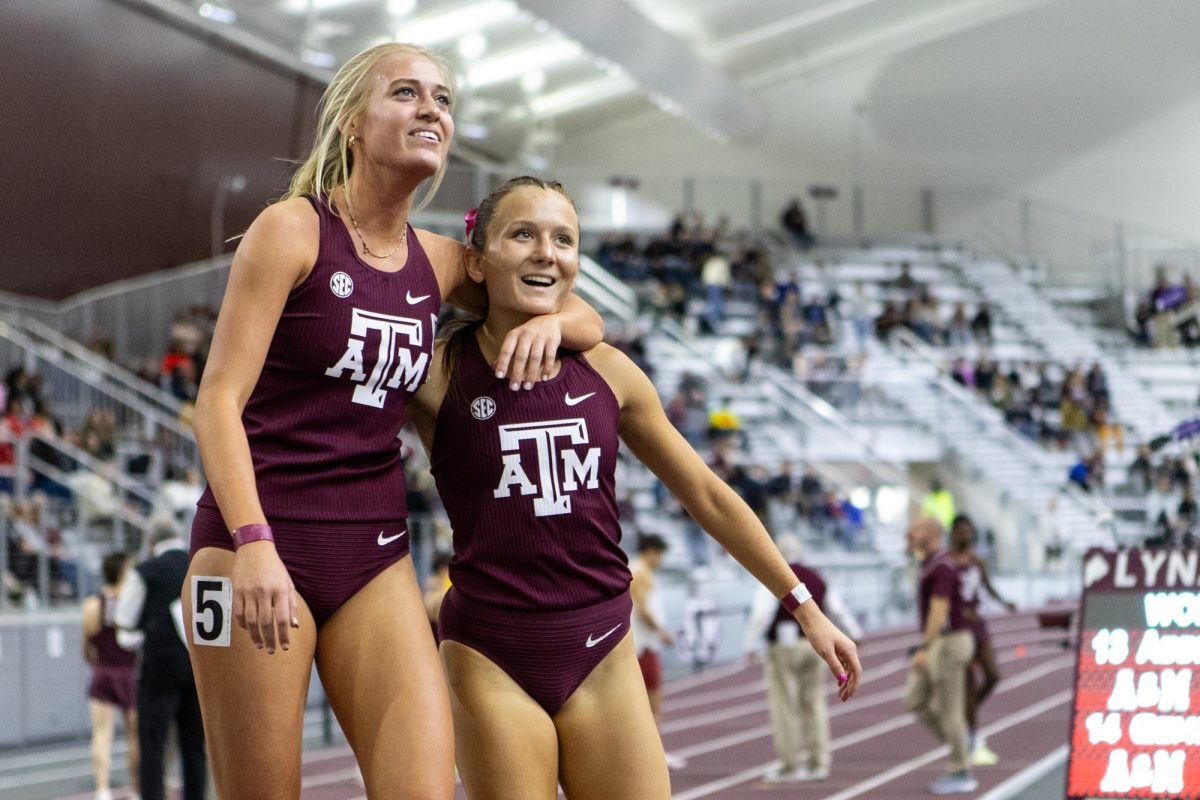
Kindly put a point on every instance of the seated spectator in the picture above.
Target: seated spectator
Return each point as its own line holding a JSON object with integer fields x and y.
{"x": 925, "y": 319}
{"x": 981, "y": 325}
{"x": 1187, "y": 516}
{"x": 958, "y": 331}
{"x": 1106, "y": 431}
{"x": 795, "y": 222}
{"x": 1162, "y": 513}
{"x": 1080, "y": 473}
{"x": 11, "y": 426}
{"x": 722, "y": 420}
{"x": 98, "y": 435}
{"x": 1140, "y": 471}
{"x": 892, "y": 317}
{"x": 905, "y": 281}
{"x": 962, "y": 373}
{"x": 716, "y": 276}
{"x": 810, "y": 494}
{"x": 985, "y": 375}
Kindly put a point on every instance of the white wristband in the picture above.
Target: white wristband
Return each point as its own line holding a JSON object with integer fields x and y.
{"x": 793, "y": 599}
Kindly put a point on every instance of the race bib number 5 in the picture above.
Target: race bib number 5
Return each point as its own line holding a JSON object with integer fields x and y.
{"x": 212, "y": 610}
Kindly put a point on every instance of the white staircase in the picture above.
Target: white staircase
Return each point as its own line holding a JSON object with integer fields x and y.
{"x": 1070, "y": 343}
{"x": 1027, "y": 475}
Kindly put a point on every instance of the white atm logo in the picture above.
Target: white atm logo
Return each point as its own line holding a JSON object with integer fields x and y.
{"x": 559, "y": 467}
{"x": 394, "y": 364}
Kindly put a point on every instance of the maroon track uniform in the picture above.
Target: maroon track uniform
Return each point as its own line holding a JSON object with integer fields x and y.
{"x": 940, "y": 577}
{"x": 540, "y": 582}
{"x": 971, "y": 583}
{"x": 114, "y": 675}
{"x": 352, "y": 346}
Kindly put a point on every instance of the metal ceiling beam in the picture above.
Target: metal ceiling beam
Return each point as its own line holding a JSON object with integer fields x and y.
{"x": 882, "y": 43}
{"x": 660, "y": 63}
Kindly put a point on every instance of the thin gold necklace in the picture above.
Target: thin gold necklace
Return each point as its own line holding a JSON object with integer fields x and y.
{"x": 362, "y": 241}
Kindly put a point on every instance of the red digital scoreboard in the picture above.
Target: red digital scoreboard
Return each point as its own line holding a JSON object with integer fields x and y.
{"x": 1135, "y": 725}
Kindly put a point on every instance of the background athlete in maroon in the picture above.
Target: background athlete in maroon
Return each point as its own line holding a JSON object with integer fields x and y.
{"x": 113, "y": 688}
{"x": 602, "y": 744}
{"x": 937, "y": 677}
{"x": 384, "y": 130}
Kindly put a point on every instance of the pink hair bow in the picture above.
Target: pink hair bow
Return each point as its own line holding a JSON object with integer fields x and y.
{"x": 469, "y": 218}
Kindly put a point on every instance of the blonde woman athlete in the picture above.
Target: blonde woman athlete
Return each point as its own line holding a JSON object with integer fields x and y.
{"x": 544, "y": 682}
{"x": 299, "y": 546}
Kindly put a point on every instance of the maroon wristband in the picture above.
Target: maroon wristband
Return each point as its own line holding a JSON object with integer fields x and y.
{"x": 257, "y": 532}
{"x": 792, "y": 600}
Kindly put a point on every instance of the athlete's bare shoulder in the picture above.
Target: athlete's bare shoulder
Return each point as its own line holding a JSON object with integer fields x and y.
{"x": 446, "y": 256}
{"x": 284, "y": 237}
{"x": 624, "y": 377}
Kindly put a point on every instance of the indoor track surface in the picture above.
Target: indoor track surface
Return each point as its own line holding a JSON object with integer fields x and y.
{"x": 717, "y": 720}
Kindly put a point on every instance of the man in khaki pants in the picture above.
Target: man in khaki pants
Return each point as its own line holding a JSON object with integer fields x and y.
{"x": 936, "y": 690}
{"x": 795, "y": 674}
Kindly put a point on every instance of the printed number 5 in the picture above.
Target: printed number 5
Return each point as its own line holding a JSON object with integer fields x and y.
{"x": 212, "y": 602}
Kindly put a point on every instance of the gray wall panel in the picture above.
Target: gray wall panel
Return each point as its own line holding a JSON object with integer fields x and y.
{"x": 12, "y": 685}
{"x": 55, "y": 681}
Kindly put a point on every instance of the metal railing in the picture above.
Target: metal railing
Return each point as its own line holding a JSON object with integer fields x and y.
{"x": 81, "y": 386}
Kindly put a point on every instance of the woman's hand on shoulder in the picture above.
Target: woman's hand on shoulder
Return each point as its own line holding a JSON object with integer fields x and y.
{"x": 528, "y": 352}
{"x": 264, "y": 597}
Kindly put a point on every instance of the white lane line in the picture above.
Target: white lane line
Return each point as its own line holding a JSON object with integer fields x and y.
{"x": 763, "y": 731}
{"x": 886, "y": 643}
{"x": 745, "y": 709}
{"x": 881, "y": 728}
{"x": 701, "y": 678}
{"x": 1019, "y": 782}
{"x": 1003, "y": 724}
{"x": 871, "y": 673}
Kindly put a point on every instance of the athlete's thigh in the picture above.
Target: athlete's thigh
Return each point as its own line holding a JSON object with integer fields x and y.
{"x": 610, "y": 747}
{"x": 247, "y": 695}
{"x": 985, "y": 656}
{"x": 506, "y": 743}
{"x": 380, "y": 670}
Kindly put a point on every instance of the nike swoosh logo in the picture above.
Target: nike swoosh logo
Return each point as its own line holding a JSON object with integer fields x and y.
{"x": 389, "y": 539}
{"x": 412, "y": 301}
{"x": 574, "y": 401}
{"x": 593, "y": 642}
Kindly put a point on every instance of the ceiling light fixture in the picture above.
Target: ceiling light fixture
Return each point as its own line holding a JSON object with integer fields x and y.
{"x": 437, "y": 28}
{"x": 533, "y": 81}
{"x": 580, "y": 95}
{"x": 217, "y": 13}
{"x": 318, "y": 58}
{"x": 472, "y": 46}
{"x": 401, "y": 8}
{"x": 516, "y": 63}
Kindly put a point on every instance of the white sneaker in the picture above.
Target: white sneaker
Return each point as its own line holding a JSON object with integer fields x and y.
{"x": 954, "y": 783}
{"x": 984, "y": 756}
{"x": 782, "y": 775}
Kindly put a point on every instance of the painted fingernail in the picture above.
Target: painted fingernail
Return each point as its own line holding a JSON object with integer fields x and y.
{"x": 270, "y": 651}
{"x": 545, "y": 377}
{"x": 514, "y": 386}
{"x": 843, "y": 677}
{"x": 295, "y": 622}
{"x": 260, "y": 647}
{"x": 528, "y": 385}
{"x": 499, "y": 373}
{"x": 285, "y": 647}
